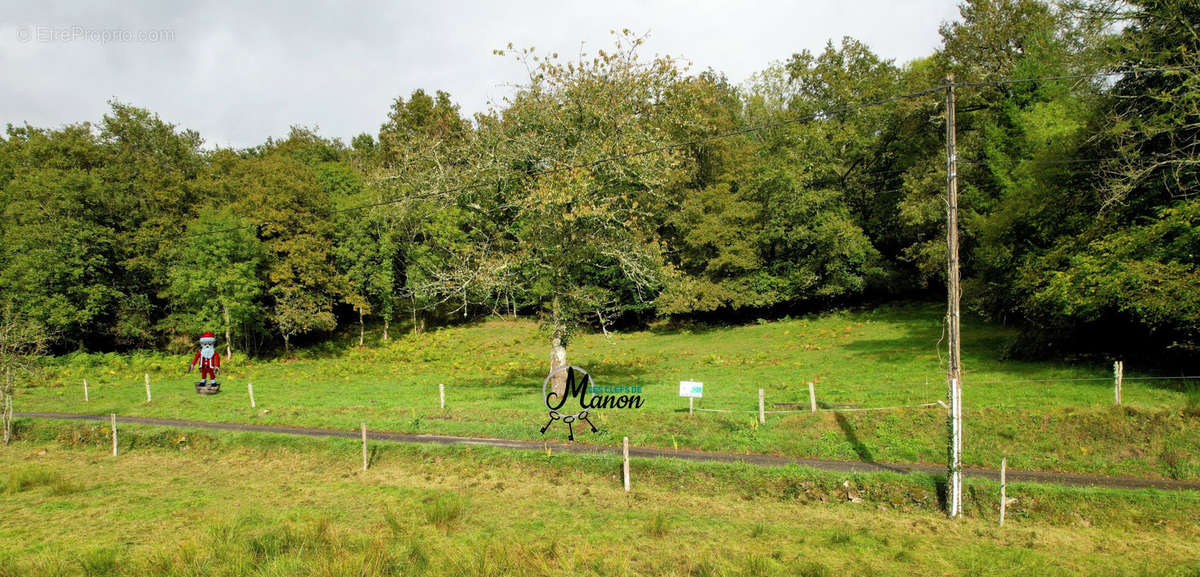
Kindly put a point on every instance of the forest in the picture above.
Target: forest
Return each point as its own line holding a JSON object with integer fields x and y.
{"x": 619, "y": 188}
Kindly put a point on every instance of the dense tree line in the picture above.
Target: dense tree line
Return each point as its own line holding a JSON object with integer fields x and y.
{"x": 616, "y": 188}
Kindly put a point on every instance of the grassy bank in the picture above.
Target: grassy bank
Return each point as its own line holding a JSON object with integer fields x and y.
{"x": 185, "y": 502}
{"x": 1049, "y": 416}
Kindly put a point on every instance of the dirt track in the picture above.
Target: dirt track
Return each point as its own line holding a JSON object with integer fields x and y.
{"x": 1046, "y": 477}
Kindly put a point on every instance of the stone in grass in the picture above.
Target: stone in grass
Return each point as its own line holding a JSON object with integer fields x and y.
{"x": 852, "y": 495}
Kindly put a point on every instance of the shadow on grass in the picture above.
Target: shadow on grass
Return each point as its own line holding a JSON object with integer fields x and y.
{"x": 864, "y": 454}
{"x": 509, "y": 390}
{"x": 940, "y": 487}
{"x": 687, "y": 327}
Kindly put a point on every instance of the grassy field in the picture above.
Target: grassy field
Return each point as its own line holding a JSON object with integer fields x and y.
{"x": 181, "y": 502}
{"x": 1048, "y": 416}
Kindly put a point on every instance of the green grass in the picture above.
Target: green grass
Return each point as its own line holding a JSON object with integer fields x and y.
{"x": 1049, "y": 416}
{"x": 445, "y": 511}
{"x": 243, "y": 504}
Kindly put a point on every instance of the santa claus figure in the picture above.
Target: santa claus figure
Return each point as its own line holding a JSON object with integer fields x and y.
{"x": 209, "y": 359}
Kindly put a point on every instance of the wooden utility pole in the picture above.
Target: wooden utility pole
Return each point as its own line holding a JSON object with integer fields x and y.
{"x": 954, "y": 368}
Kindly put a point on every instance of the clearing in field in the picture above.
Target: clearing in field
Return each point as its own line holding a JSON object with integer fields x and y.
{"x": 1040, "y": 415}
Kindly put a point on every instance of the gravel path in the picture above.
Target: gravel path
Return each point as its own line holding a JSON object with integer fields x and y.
{"x": 1046, "y": 477}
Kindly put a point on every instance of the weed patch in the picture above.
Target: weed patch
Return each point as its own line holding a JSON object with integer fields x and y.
{"x": 445, "y": 510}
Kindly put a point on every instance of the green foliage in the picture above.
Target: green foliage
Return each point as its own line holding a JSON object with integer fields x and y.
{"x": 1099, "y": 225}
{"x": 577, "y": 244}
{"x": 759, "y": 228}
{"x": 614, "y": 188}
{"x": 216, "y": 276}
{"x": 58, "y": 252}
{"x": 284, "y": 194}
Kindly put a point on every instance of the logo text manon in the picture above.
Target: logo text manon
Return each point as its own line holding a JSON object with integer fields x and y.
{"x": 599, "y": 399}
{"x": 578, "y": 383}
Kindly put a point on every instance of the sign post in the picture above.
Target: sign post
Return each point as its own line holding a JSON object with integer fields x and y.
{"x": 692, "y": 390}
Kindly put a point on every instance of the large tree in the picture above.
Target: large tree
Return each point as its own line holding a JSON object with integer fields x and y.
{"x": 280, "y": 191}
{"x": 567, "y": 216}
{"x": 58, "y": 245}
{"x": 415, "y": 222}
{"x": 781, "y": 221}
{"x": 216, "y": 277}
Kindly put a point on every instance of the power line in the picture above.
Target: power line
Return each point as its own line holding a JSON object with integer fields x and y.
{"x": 1098, "y": 74}
{"x": 1049, "y": 160}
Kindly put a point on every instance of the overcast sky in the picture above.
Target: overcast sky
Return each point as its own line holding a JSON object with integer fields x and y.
{"x": 239, "y": 72}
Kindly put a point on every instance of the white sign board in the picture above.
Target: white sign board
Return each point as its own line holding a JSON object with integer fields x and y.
{"x": 691, "y": 389}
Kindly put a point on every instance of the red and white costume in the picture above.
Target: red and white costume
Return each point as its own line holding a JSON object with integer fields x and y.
{"x": 208, "y": 357}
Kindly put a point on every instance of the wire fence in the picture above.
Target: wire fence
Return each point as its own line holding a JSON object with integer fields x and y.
{"x": 834, "y": 402}
{"x": 830, "y": 409}
{"x": 938, "y": 403}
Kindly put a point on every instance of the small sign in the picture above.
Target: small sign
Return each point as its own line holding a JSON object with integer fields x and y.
{"x": 691, "y": 389}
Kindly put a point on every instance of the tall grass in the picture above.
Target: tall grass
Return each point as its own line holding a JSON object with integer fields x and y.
{"x": 29, "y": 478}
{"x": 239, "y": 505}
{"x": 446, "y": 510}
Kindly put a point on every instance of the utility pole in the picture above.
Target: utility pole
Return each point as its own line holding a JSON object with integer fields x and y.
{"x": 954, "y": 368}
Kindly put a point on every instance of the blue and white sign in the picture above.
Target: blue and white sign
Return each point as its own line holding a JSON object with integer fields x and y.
{"x": 691, "y": 389}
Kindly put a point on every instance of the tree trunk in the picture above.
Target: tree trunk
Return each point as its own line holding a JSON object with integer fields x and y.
{"x": 385, "y": 327}
{"x": 360, "y": 327}
{"x": 558, "y": 358}
{"x": 287, "y": 346}
{"x": 228, "y": 341}
{"x": 415, "y": 329}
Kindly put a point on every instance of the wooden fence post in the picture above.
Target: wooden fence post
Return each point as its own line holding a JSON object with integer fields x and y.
{"x": 812, "y": 398}
{"x": 625, "y": 452}
{"x": 1118, "y": 377}
{"x": 364, "y": 444}
{"x": 114, "y": 432}
{"x": 762, "y": 415}
{"x": 1003, "y": 487}
{"x": 442, "y": 394}
{"x": 85, "y": 391}
{"x": 250, "y": 387}
{"x": 147, "y": 387}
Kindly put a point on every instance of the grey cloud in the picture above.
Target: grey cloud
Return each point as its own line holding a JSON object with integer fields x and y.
{"x": 241, "y": 72}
